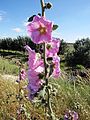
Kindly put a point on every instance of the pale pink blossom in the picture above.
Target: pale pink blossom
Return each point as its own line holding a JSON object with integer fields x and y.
{"x": 35, "y": 63}
{"x": 52, "y": 47}
{"x": 34, "y": 84}
{"x": 40, "y": 30}
{"x": 31, "y": 56}
{"x": 36, "y": 66}
{"x": 56, "y": 66}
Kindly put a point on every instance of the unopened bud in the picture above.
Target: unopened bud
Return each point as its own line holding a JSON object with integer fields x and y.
{"x": 41, "y": 75}
{"x": 39, "y": 14}
{"x": 48, "y": 5}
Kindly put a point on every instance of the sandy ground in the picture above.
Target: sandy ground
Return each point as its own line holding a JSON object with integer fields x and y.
{"x": 9, "y": 77}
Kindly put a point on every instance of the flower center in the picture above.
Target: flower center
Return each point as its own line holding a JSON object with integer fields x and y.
{"x": 42, "y": 30}
{"x": 48, "y": 46}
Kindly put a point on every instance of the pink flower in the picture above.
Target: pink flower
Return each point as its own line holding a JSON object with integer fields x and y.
{"x": 40, "y": 30}
{"x": 36, "y": 66}
{"x": 53, "y": 47}
{"x": 71, "y": 115}
{"x": 56, "y": 63}
{"x": 32, "y": 56}
{"x": 34, "y": 83}
{"x": 22, "y": 74}
{"x": 34, "y": 62}
{"x": 74, "y": 115}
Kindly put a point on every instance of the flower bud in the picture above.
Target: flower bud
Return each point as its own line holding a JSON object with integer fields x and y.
{"x": 41, "y": 75}
{"x": 48, "y": 5}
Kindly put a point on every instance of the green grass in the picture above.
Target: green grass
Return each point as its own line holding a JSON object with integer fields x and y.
{"x": 8, "y": 66}
{"x": 8, "y": 60}
{"x": 74, "y": 98}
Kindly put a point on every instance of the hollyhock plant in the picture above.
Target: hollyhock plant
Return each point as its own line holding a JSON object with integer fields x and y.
{"x": 40, "y": 30}
{"x": 47, "y": 63}
{"x": 36, "y": 67}
{"x": 52, "y": 47}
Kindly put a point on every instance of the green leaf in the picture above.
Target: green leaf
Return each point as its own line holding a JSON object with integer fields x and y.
{"x": 42, "y": 92}
{"x": 55, "y": 27}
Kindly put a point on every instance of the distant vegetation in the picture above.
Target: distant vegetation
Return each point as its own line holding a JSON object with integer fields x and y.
{"x": 72, "y": 54}
{"x": 16, "y": 44}
{"x": 80, "y": 55}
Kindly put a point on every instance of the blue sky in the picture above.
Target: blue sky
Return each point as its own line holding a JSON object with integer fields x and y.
{"x": 72, "y": 16}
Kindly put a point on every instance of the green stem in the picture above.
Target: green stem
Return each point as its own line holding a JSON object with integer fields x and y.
{"x": 19, "y": 88}
{"x": 50, "y": 112}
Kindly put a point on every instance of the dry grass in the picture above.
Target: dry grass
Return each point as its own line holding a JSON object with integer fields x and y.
{"x": 68, "y": 97}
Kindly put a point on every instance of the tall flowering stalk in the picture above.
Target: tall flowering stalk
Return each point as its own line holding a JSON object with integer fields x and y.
{"x": 50, "y": 112}
{"x": 21, "y": 76}
{"x": 47, "y": 63}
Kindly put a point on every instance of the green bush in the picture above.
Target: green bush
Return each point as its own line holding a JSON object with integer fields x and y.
{"x": 80, "y": 67}
{"x": 81, "y": 54}
{"x": 63, "y": 47}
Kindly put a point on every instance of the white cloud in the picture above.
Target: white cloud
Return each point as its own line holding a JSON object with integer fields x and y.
{"x": 2, "y": 15}
{"x": 18, "y": 30}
